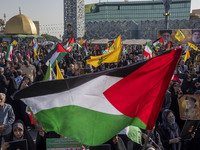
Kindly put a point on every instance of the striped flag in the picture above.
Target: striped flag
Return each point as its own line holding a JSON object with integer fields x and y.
{"x": 148, "y": 51}
{"x": 9, "y": 53}
{"x": 94, "y": 107}
{"x": 179, "y": 35}
{"x": 57, "y": 54}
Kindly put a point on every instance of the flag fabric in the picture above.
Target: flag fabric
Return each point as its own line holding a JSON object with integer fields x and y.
{"x": 14, "y": 42}
{"x": 9, "y": 53}
{"x": 175, "y": 78}
{"x": 192, "y": 46}
{"x": 158, "y": 43}
{"x": 81, "y": 42}
{"x": 70, "y": 44}
{"x": 148, "y": 51}
{"x": 94, "y": 107}
{"x": 112, "y": 56}
{"x": 58, "y": 73}
{"x": 179, "y": 35}
{"x": 28, "y": 55}
{"x": 34, "y": 54}
{"x": 48, "y": 75}
{"x": 96, "y": 47}
{"x": 57, "y": 54}
{"x": 124, "y": 50}
{"x": 187, "y": 55}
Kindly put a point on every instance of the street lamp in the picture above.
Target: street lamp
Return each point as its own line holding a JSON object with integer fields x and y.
{"x": 166, "y": 14}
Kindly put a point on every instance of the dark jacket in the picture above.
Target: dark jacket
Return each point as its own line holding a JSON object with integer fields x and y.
{"x": 3, "y": 84}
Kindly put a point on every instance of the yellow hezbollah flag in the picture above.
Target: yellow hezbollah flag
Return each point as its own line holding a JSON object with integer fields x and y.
{"x": 34, "y": 53}
{"x": 14, "y": 42}
{"x": 192, "y": 46}
{"x": 187, "y": 55}
{"x": 112, "y": 56}
{"x": 59, "y": 74}
{"x": 179, "y": 35}
{"x": 81, "y": 42}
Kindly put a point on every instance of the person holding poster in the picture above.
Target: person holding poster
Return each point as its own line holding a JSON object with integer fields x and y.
{"x": 19, "y": 132}
{"x": 195, "y": 39}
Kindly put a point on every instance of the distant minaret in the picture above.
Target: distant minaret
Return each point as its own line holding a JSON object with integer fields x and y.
{"x": 20, "y": 10}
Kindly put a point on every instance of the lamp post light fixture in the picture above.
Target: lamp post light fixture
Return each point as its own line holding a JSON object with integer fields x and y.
{"x": 166, "y": 14}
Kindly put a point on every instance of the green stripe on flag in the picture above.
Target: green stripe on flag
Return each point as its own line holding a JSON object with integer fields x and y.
{"x": 82, "y": 123}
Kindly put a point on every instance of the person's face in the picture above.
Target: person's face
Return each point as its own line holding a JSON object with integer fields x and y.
{"x": 197, "y": 84}
{"x": 189, "y": 79}
{"x": 2, "y": 100}
{"x": 196, "y": 37}
{"x": 18, "y": 132}
{"x": 189, "y": 104}
{"x": 166, "y": 37}
{"x": 170, "y": 115}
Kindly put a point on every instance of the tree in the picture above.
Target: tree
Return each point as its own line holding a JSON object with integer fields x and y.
{"x": 50, "y": 37}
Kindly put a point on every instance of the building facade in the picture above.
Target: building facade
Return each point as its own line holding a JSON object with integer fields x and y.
{"x": 74, "y": 18}
{"x": 136, "y": 10}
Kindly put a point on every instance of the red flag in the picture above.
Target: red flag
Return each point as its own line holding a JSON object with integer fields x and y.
{"x": 96, "y": 47}
{"x": 175, "y": 78}
{"x": 148, "y": 84}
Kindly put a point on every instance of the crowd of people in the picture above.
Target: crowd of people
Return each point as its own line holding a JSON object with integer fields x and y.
{"x": 24, "y": 71}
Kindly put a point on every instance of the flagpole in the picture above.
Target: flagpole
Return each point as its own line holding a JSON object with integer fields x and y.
{"x": 147, "y": 139}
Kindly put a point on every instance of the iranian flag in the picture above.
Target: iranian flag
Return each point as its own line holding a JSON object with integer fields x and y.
{"x": 9, "y": 53}
{"x": 57, "y": 54}
{"x": 148, "y": 50}
{"x": 92, "y": 108}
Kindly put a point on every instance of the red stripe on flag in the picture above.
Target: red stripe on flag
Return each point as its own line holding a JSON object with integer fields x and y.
{"x": 141, "y": 93}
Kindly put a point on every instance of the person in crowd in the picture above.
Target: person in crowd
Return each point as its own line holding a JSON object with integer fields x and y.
{"x": 195, "y": 86}
{"x": 19, "y": 132}
{"x": 19, "y": 78}
{"x": 169, "y": 131}
{"x": 183, "y": 68}
{"x": 187, "y": 84}
{"x": 3, "y": 81}
{"x": 29, "y": 70}
{"x": 25, "y": 83}
{"x": 39, "y": 75}
{"x": 7, "y": 117}
{"x": 176, "y": 93}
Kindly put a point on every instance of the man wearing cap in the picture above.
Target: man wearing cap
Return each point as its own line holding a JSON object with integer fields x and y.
{"x": 165, "y": 35}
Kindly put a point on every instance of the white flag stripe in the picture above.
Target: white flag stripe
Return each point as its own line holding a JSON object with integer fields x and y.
{"x": 89, "y": 95}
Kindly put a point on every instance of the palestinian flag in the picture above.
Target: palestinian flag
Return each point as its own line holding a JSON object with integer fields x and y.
{"x": 57, "y": 54}
{"x": 9, "y": 53}
{"x": 158, "y": 43}
{"x": 148, "y": 51}
{"x": 92, "y": 108}
{"x": 70, "y": 44}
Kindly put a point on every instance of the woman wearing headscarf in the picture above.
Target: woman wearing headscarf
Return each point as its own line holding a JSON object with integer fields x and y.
{"x": 187, "y": 83}
{"x": 19, "y": 132}
{"x": 169, "y": 131}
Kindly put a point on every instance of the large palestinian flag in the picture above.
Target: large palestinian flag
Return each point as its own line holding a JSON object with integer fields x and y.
{"x": 94, "y": 107}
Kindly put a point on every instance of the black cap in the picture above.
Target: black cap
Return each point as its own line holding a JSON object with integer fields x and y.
{"x": 195, "y": 30}
{"x": 165, "y": 31}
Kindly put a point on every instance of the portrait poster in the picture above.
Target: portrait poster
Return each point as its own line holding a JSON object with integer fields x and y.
{"x": 189, "y": 107}
{"x": 19, "y": 144}
{"x": 191, "y": 36}
{"x": 189, "y": 128}
{"x": 69, "y": 30}
{"x": 62, "y": 144}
